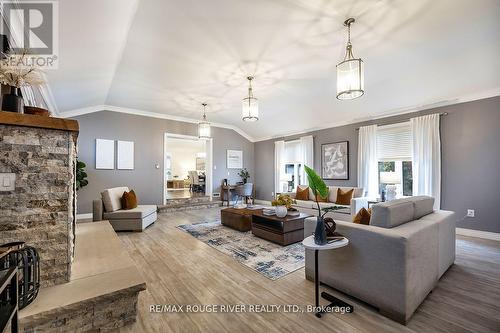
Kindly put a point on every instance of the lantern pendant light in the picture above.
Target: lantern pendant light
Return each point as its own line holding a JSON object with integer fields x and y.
{"x": 350, "y": 72}
{"x": 250, "y": 111}
{"x": 204, "y": 125}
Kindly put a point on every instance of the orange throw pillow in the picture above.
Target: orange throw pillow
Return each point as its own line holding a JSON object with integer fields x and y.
{"x": 321, "y": 199}
{"x": 129, "y": 200}
{"x": 344, "y": 198}
{"x": 302, "y": 194}
{"x": 363, "y": 216}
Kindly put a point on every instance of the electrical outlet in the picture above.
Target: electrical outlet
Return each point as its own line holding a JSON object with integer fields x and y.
{"x": 7, "y": 181}
{"x": 471, "y": 213}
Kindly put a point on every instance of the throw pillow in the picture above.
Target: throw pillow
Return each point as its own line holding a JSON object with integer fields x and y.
{"x": 129, "y": 200}
{"x": 363, "y": 216}
{"x": 344, "y": 198}
{"x": 319, "y": 198}
{"x": 302, "y": 193}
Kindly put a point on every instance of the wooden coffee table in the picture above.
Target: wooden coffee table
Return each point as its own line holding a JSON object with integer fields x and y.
{"x": 281, "y": 230}
{"x": 238, "y": 219}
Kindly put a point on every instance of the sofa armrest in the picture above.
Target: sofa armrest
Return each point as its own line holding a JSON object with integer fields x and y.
{"x": 357, "y": 204}
{"x": 97, "y": 210}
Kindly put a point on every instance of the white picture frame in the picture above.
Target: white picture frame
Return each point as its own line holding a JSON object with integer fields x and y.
{"x": 234, "y": 159}
{"x": 125, "y": 155}
{"x": 104, "y": 154}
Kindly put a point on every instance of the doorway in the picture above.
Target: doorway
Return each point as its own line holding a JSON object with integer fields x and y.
{"x": 187, "y": 167}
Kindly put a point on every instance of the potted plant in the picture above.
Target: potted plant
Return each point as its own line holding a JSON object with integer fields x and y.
{"x": 318, "y": 187}
{"x": 16, "y": 71}
{"x": 282, "y": 203}
{"x": 81, "y": 175}
{"x": 244, "y": 174}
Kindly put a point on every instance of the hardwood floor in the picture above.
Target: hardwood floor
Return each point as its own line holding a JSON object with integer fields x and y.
{"x": 179, "y": 269}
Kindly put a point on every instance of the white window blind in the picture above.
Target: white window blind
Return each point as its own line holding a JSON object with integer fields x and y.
{"x": 394, "y": 142}
{"x": 293, "y": 150}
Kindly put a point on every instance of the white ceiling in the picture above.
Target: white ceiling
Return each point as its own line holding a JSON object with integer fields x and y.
{"x": 166, "y": 57}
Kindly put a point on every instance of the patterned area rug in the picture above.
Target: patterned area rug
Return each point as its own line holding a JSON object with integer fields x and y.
{"x": 271, "y": 260}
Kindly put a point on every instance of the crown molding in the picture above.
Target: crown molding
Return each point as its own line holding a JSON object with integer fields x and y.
{"x": 138, "y": 112}
{"x": 394, "y": 112}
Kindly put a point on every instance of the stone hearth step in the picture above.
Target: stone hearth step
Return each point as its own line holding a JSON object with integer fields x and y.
{"x": 176, "y": 205}
{"x": 102, "y": 293}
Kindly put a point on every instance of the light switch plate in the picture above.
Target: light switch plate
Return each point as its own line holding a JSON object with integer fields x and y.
{"x": 7, "y": 182}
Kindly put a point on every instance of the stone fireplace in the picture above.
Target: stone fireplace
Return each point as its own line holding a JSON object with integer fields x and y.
{"x": 37, "y": 194}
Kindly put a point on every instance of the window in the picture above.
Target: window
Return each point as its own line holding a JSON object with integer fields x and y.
{"x": 394, "y": 158}
{"x": 290, "y": 159}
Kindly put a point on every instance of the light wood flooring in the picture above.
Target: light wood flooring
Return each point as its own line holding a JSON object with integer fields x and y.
{"x": 179, "y": 269}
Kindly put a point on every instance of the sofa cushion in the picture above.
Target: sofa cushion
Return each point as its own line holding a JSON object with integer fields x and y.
{"x": 358, "y": 192}
{"x": 129, "y": 200}
{"x": 319, "y": 198}
{"x": 344, "y": 197}
{"x": 422, "y": 205}
{"x": 311, "y": 194}
{"x": 392, "y": 213}
{"x": 332, "y": 193}
{"x": 138, "y": 212}
{"x": 112, "y": 198}
{"x": 302, "y": 193}
{"x": 363, "y": 216}
{"x": 304, "y": 204}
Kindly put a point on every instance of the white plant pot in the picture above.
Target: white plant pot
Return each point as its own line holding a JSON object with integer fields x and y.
{"x": 281, "y": 211}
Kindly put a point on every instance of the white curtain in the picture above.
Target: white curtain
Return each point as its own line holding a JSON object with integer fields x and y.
{"x": 367, "y": 160}
{"x": 307, "y": 158}
{"x": 279, "y": 156}
{"x": 426, "y": 157}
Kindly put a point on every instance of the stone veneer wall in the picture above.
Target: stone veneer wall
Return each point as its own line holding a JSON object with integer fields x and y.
{"x": 40, "y": 211}
{"x": 103, "y": 314}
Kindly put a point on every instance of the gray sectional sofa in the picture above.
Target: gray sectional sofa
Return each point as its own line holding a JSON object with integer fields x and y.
{"x": 394, "y": 262}
{"x": 109, "y": 208}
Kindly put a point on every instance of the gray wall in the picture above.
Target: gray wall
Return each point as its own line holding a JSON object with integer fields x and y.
{"x": 147, "y": 133}
{"x": 470, "y": 135}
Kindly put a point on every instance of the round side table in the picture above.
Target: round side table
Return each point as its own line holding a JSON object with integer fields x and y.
{"x": 334, "y": 301}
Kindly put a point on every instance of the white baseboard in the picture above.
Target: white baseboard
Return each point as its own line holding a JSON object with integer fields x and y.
{"x": 478, "y": 234}
{"x": 83, "y": 216}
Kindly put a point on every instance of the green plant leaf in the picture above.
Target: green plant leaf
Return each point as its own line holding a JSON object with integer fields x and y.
{"x": 316, "y": 184}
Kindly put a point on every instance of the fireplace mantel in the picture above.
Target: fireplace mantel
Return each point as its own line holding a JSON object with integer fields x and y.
{"x": 28, "y": 120}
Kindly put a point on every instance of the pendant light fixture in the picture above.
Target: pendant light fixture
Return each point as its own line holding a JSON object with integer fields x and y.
{"x": 350, "y": 76}
{"x": 204, "y": 125}
{"x": 250, "y": 110}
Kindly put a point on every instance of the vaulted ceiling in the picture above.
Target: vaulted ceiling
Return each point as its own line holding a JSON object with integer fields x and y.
{"x": 166, "y": 57}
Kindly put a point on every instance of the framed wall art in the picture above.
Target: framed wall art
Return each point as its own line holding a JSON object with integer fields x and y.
{"x": 335, "y": 160}
{"x": 234, "y": 159}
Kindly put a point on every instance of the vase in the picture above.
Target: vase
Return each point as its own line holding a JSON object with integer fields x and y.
{"x": 281, "y": 211}
{"x": 320, "y": 232}
{"x": 12, "y": 102}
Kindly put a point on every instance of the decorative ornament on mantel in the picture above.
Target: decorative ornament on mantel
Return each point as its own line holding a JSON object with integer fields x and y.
{"x": 204, "y": 125}
{"x": 16, "y": 71}
{"x": 250, "y": 111}
{"x": 350, "y": 72}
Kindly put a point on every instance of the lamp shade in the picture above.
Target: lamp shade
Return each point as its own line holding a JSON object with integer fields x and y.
{"x": 350, "y": 79}
{"x": 250, "y": 110}
{"x": 390, "y": 177}
{"x": 204, "y": 126}
{"x": 204, "y": 130}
